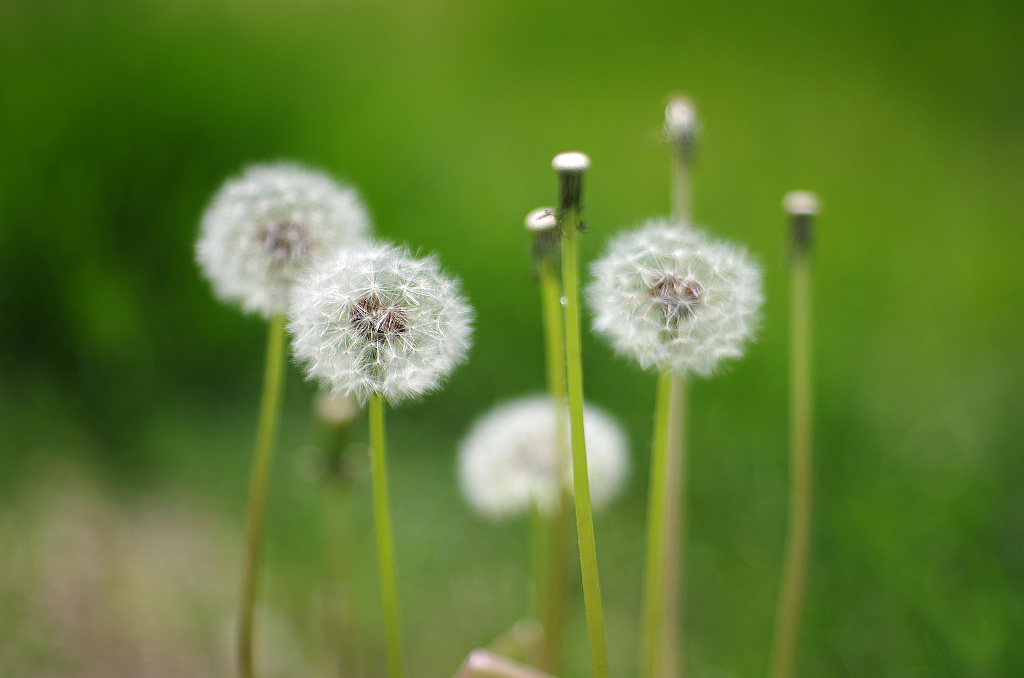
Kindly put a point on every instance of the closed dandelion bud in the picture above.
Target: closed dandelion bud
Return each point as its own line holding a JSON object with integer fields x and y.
{"x": 682, "y": 126}
{"x": 264, "y": 227}
{"x": 570, "y": 166}
{"x": 675, "y": 299}
{"x": 376, "y": 321}
{"x": 510, "y": 461}
{"x": 802, "y": 207}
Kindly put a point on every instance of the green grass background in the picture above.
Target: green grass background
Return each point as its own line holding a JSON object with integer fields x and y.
{"x": 118, "y": 120}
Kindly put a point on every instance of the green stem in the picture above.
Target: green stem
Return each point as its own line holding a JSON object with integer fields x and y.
{"x": 337, "y": 543}
{"x": 540, "y": 531}
{"x": 554, "y": 337}
{"x": 653, "y": 609}
{"x": 554, "y": 612}
{"x": 798, "y": 537}
{"x": 682, "y": 191}
{"x": 266, "y": 436}
{"x": 662, "y": 642}
{"x": 335, "y": 494}
{"x": 385, "y": 548}
{"x": 581, "y": 481}
{"x": 675, "y": 533}
{"x": 550, "y": 607}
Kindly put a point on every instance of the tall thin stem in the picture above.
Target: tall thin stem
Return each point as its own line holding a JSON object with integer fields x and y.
{"x": 338, "y": 539}
{"x": 550, "y": 582}
{"x": 798, "y": 537}
{"x": 662, "y": 644}
{"x": 335, "y": 494}
{"x": 672, "y": 645}
{"x": 385, "y": 547}
{"x": 654, "y": 568}
{"x": 266, "y": 437}
{"x": 581, "y": 481}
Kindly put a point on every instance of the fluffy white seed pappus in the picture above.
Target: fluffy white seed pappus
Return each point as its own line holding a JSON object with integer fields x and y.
{"x": 377, "y": 321}
{"x": 510, "y": 461}
{"x": 262, "y": 228}
{"x": 674, "y": 298}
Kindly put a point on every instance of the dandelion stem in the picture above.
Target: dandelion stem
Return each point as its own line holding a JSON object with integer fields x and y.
{"x": 675, "y": 533}
{"x": 791, "y": 585}
{"x": 338, "y": 536}
{"x": 662, "y": 642}
{"x": 682, "y": 190}
{"x": 581, "y": 481}
{"x": 266, "y": 436}
{"x": 335, "y": 494}
{"x": 385, "y": 547}
{"x": 551, "y": 605}
{"x": 659, "y": 651}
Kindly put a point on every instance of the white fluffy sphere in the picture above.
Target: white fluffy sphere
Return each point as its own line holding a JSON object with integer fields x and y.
{"x": 675, "y": 299}
{"x": 376, "y": 321}
{"x": 510, "y": 461}
{"x": 264, "y": 227}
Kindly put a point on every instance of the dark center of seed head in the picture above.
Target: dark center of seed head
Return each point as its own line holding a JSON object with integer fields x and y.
{"x": 377, "y": 320}
{"x": 678, "y": 298}
{"x": 284, "y": 240}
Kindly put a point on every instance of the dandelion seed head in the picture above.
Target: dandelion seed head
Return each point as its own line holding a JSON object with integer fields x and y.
{"x": 264, "y": 227}
{"x": 336, "y": 411}
{"x": 377, "y": 321}
{"x": 510, "y": 461}
{"x": 675, "y": 299}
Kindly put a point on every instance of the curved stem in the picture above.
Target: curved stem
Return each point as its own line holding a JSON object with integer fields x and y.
{"x": 798, "y": 537}
{"x": 581, "y": 481}
{"x": 266, "y": 436}
{"x": 385, "y": 548}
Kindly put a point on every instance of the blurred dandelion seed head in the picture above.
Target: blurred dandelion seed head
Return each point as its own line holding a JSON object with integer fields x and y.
{"x": 336, "y": 411}
{"x": 675, "y": 299}
{"x": 264, "y": 227}
{"x": 510, "y": 460}
{"x": 377, "y": 321}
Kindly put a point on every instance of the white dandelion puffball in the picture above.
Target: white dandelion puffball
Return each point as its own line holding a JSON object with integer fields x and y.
{"x": 264, "y": 227}
{"x": 674, "y": 298}
{"x": 510, "y": 460}
{"x": 376, "y": 321}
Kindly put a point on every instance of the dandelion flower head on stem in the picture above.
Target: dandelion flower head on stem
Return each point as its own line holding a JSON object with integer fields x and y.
{"x": 675, "y": 299}
{"x": 510, "y": 461}
{"x": 375, "y": 321}
{"x": 263, "y": 227}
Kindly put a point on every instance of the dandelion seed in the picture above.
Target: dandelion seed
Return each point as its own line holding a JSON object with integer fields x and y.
{"x": 510, "y": 460}
{"x": 675, "y": 299}
{"x": 376, "y": 321}
{"x": 264, "y": 227}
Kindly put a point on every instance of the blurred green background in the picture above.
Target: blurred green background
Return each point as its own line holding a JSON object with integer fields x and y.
{"x": 118, "y": 121}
